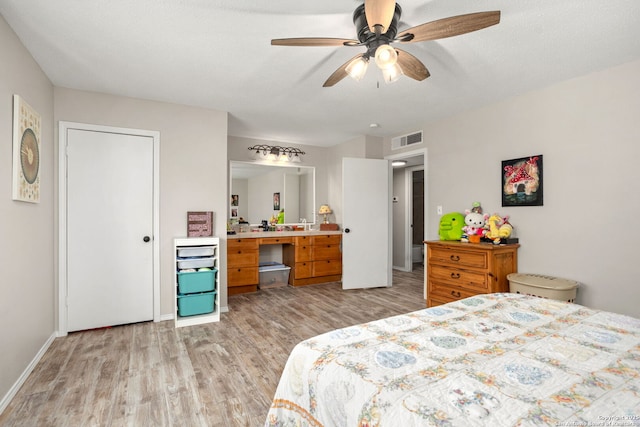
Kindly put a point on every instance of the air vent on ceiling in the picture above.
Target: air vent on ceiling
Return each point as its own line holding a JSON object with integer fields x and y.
{"x": 405, "y": 140}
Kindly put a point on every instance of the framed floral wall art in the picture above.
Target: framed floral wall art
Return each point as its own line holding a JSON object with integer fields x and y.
{"x": 26, "y": 152}
{"x": 522, "y": 181}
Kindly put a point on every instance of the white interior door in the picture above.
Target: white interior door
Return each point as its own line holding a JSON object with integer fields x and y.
{"x": 109, "y": 229}
{"x": 366, "y": 237}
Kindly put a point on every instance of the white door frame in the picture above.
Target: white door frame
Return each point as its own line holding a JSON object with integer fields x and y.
{"x": 64, "y": 127}
{"x": 409, "y": 201}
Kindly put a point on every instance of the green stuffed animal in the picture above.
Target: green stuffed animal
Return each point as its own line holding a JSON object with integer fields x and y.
{"x": 451, "y": 226}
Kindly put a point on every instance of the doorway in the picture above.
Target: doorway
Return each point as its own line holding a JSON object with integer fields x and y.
{"x": 109, "y": 238}
{"x": 417, "y": 215}
{"x": 409, "y": 209}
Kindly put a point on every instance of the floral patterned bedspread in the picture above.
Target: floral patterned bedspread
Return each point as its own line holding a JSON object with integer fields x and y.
{"x": 490, "y": 360}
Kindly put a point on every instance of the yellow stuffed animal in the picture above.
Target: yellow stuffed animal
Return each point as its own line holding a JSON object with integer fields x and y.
{"x": 498, "y": 228}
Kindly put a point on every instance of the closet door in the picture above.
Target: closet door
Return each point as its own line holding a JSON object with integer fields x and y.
{"x": 109, "y": 229}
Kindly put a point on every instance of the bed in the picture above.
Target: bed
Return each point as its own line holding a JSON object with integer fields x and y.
{"x": 490, "y": 360}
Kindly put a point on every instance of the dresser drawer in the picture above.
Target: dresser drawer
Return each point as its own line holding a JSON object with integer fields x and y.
{"x": 329, "y": 239}
{"x": 437, "y": 300}
{"x": 448, "y": 292}
{"x": 242, "y": 257}
{"x": 242, "y": 244}
{"x": 326, "y": 268}
{"x": 475, "y": 281}
{"x": 302, "y": 270}
{"x": 322, "y": 252}
{"x": 242, "y": 276}
{"x": 458, "y": 258}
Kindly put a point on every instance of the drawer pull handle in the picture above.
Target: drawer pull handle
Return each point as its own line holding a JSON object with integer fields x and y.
{"x": 456, "y": 294}
{"x": 455, "y": 275}
{"x": 454, "y": 258}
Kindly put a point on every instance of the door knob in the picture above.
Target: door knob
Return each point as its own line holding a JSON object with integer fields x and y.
{"x": 146, "y": 238}
{"x": 347, "y": 230}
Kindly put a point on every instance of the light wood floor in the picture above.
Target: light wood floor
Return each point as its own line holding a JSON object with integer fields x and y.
{"x": 219, "y": 374}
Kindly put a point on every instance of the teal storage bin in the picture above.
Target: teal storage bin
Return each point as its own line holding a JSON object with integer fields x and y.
{"x": 194, "y": 304}
{"x": 196, "y": 281}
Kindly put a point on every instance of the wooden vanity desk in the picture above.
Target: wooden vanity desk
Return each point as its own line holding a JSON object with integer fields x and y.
{"x": 314, "y": 257}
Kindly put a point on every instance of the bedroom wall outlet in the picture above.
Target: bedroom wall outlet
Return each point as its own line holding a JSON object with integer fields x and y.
{"x": 439, "y": 210}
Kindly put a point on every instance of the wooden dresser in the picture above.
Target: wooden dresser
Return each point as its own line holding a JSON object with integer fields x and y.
{"x": 314, "y": 259}
{"x": 457, "y": 270}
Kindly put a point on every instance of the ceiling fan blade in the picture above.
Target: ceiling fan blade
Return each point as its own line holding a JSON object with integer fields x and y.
{"x": 379, "y": 13}
{"x": 412, "y": 66}
{"x": 448, "y": 27}
{"x": 314, "y": 41}
{"x": 340, "y": 73}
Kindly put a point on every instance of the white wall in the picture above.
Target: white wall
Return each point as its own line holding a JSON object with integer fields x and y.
{"x": 261, "y": 190}
{"x": 193, "y": 160}
{"x": 588, "y": 131}
{"x": 27, "y": 260}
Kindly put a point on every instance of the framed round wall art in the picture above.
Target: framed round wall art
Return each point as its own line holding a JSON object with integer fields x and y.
{"x": 26, "y": 152}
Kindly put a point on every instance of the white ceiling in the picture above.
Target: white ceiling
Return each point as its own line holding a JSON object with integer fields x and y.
{"x": 217, "y": 54}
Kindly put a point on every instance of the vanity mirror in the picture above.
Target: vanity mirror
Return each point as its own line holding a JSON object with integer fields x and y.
{"x": 255, "y": 188}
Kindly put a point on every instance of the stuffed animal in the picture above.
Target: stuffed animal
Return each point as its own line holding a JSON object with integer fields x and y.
{"x": 474, "y": 221}
{"x": 498, "y": 228}
{"x": 451, "y": 226}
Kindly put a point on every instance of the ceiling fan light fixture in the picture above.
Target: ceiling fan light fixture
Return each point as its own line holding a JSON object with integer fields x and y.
{"x": 357, "y": 68}
{"x": 392, "y": 74}
{"x": 386, "y": 56}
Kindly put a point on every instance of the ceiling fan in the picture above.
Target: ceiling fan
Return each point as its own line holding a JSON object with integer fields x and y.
{"x": 376, "y": 23}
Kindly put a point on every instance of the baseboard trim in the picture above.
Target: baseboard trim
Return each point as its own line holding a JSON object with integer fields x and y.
{"x": 25, "y": 374}
{"x": 164, "y": 317}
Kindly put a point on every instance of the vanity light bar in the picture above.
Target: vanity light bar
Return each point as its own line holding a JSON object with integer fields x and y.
{"x": 275, "y": 152}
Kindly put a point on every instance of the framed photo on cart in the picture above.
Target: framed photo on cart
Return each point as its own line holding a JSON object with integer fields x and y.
{"x": 522, "y": 183}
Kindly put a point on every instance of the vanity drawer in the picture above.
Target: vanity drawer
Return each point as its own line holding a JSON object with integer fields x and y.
{"x": 302, "y": 252}
{"x": 242, "y": 244}
{"x": 242, "y": 257}
{"x": 302, "y": 240}
{"x": 275, "y": 240}
{"x": 458, "y": 258}
{"x": 322, "y": 252}
{"x": 327, "y": 268}
{"x": 328, "y": 239}
{"x": 242, "y": 276}
{"x": 302, "y": 270}
{"x": 475, "y": 281}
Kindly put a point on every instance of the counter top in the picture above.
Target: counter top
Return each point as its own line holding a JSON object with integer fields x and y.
{"x": 276, "y": 234}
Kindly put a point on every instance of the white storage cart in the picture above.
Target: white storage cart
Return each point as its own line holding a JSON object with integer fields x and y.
{"x": 196, "y": 287}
